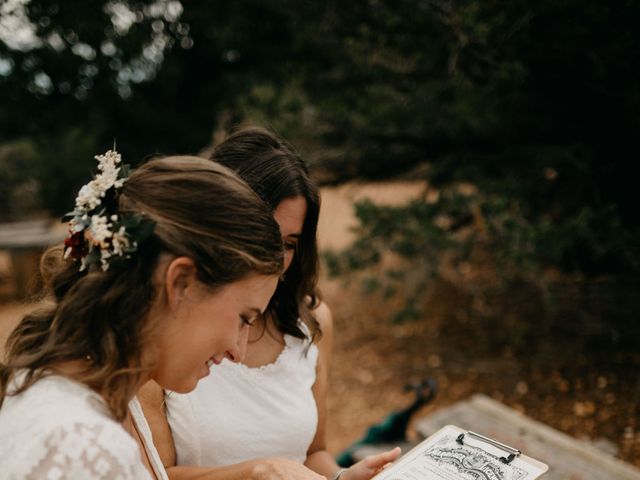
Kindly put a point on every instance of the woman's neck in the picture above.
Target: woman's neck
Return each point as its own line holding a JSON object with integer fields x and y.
{"x": 267, "y": 345}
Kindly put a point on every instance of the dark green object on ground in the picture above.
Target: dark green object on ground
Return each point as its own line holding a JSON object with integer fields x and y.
{"x": 394, "y": 427}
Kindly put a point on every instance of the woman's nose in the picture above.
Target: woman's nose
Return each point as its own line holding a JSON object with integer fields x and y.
{"x": 238, "y": 351}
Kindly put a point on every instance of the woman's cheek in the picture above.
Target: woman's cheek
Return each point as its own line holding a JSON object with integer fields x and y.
{"x": 288, "y": 258}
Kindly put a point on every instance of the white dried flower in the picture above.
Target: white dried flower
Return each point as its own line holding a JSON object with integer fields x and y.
{"x": 100, "y": 231}
{"x": 108, "y": 159}
{"x": 88, "y": 197}
{"x": 105, "y": 255}
{"x": 120, "y": 242}
{"x": 91, "y": 194}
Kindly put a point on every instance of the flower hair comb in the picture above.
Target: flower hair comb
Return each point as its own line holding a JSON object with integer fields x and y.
{"x": 98, "y": 234}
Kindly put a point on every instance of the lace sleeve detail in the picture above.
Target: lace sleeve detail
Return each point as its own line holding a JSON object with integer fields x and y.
{"x": 80, "y": 451}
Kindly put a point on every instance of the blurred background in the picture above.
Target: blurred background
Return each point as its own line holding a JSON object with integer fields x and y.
{"x": 479, "y": 165}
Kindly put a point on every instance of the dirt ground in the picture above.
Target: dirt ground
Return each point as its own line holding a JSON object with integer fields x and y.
{"x": 374, "y": 357}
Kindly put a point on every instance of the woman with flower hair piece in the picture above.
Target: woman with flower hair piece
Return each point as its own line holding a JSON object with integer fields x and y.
{"x": 270, "y": 409}
{"x": 162, "y": 275}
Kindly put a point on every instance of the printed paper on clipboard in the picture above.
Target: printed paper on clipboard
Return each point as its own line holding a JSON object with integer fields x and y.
{"x": 444, "y": 455}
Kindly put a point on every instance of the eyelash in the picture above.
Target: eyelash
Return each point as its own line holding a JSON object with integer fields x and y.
{"x": 247, "y": 321}
{"x": 290, "y": 245}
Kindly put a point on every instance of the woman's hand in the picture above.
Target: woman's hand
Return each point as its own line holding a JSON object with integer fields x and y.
{"x": 258, "y": 469}
{"x": 370, "y": 465}
{"x": 282, "y": 469}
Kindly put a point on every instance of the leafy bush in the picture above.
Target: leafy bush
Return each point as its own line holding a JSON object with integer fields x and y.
{"x": 465, "y": 228}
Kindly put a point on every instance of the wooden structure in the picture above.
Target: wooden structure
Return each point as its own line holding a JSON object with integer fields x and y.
{"x": 25, "y": 241}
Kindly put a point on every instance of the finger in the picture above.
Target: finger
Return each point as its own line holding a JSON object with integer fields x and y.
{"x": 378, "y": 461}
{"x": 379, "y": 469}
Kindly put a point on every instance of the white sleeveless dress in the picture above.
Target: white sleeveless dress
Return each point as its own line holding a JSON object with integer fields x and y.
{"x": 239, "y": 413}
{"x": 61, "y": 429}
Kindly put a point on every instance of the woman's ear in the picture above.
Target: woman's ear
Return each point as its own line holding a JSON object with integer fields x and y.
{"x": 180, "y": 277}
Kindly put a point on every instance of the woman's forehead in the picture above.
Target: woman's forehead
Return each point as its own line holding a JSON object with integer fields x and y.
{"x": 290, "y": 214}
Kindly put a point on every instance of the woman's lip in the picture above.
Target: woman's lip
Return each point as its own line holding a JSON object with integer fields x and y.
{"x": 213, "y": 361}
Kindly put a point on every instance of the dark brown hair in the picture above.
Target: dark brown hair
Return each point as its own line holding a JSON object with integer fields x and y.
{"x": 203, "y": 211}
{"x": 272, "y": 168}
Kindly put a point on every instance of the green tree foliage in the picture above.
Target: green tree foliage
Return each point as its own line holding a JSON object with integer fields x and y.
{"x": 536, "y": 103}
{"x": 154, "y": 75}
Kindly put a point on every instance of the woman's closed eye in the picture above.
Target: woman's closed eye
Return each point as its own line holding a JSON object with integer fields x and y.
{"x": 248, "y": 320}
{"x": 291, "y": 244}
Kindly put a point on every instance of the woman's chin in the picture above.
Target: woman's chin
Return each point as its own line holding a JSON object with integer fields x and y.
{"x": 189, "y": 382}
{"x": 184, "y": 383}
{"x": 185, "y": 387}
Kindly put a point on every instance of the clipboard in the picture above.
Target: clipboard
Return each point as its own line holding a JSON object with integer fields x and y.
{"x": 453, "y": 453}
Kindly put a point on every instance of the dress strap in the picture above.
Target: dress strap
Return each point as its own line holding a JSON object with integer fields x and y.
{"x": 147, "y": 439}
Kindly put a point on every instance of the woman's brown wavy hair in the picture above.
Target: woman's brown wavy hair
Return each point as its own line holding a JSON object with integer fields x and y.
{"x": 272, "y": 168}
{"x": 202, "y": 211}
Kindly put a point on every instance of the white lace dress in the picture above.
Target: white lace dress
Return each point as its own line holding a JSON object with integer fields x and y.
{"x": 61, "y": 429}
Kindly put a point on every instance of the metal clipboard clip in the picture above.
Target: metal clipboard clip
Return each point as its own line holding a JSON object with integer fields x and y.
{"x": 512, "y": 452}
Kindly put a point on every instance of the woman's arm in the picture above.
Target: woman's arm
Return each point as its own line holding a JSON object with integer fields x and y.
{"x": 318, "y": 458}
{"x": 261, "y": 469}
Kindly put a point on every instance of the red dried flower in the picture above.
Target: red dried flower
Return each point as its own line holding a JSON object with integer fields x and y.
{"x": 77, "y": 245}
